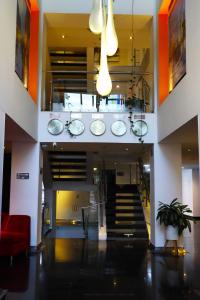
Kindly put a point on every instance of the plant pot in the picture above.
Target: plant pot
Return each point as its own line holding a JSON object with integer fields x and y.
{"x": 171, "y": 233}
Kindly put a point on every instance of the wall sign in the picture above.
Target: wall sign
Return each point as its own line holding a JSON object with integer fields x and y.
{"x": 23, "y": 176}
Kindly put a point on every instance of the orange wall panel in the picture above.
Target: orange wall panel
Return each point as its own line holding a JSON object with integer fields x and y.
{"x": 163, "y": 51}
{"x": 163, "y": 48}
{"x": 34, "y": 48}
{"x": 33, "y": 55}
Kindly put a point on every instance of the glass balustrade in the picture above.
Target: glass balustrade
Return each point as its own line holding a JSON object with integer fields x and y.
{"x": 63, "y": 94}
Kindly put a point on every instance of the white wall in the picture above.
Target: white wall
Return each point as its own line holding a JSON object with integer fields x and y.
{"x": 87, "y": 136}
{"x": 14, "y": 98}
{"x": 187, "y": 187}
{"x": 144, "y": 7}
{"x": 128, "y": 175}
{"x": 2, "y": 131}
{"x": 165, "y": 184}
{"x": 69, "y": 203}
{"x": 183, "y": 103}
{"x": 24, "y": 194}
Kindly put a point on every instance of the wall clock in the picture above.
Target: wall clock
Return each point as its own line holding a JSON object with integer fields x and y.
{"x": 118, "y": 128}
{"x": 55, "y": 127}
{"x": 97, "y": 127}
{"x": 76, "y": 127}
{"x": 140, "y": 128}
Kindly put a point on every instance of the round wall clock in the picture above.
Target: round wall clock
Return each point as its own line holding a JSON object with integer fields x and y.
{"x": 118, "y": 128}
{"x": 76, "y": 127}
{"x": 98, "y": 127}
{"x": 140, "y": 128}
{"x": 55, "y": 127}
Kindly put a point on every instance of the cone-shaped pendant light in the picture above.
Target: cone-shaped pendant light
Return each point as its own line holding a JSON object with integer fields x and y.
{"x": 96, "y": 17}
{"x": 104, "y": 82}
{"x": 111, "y": 36}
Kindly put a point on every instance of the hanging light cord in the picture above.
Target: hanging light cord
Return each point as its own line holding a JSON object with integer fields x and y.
{"x": 132, "y": 36}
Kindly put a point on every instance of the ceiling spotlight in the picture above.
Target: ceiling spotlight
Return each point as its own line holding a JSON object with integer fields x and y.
{"x": 189, "y": 150}
{"x": 117, "y": 86}
{"x": 63, "y": 36}
{"x": 126, "y": 149}
{"x": 94, "y": 169}
{"x": 131, "y": 37}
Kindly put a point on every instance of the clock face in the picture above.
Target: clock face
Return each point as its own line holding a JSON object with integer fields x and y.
{"x": 118, "y": 128}
{"x": 55, "y": 127}
{"x": 76, "y": 127}
{"x": 140, "y": 128}
{"x": 98, "y": 127}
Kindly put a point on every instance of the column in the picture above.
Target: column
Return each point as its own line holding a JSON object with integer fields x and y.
{"x": 26, "y": 194}
{"x": 2, "y": 135}
{"x": 166, "y": 184}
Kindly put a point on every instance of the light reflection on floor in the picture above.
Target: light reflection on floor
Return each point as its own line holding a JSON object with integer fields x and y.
{"x": 75, "y": 268}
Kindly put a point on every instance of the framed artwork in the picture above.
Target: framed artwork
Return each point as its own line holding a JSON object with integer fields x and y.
{"x": 177, "y": 44}
{"x": 22, "y": 41}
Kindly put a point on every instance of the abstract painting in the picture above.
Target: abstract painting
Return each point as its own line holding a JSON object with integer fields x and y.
{"x": 22, "y": 41}
{"x": 177, "y": 44}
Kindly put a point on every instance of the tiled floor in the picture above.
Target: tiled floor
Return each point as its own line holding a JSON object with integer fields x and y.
{"x": 75, "y": 268}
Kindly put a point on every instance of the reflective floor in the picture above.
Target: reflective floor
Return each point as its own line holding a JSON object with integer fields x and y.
{"x": 75, "y": 268}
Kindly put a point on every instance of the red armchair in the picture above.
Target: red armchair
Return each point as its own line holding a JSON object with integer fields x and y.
{"x": 14, "y": 235}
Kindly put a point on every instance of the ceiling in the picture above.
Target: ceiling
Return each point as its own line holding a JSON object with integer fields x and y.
{"x": 105, "y": 151}
{"x": 70, "y": 32}
{"x": 187, "y": 136}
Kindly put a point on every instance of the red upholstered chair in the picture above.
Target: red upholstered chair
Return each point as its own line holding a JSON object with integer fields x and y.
{"x": 4, "y": 220}
{"x": 15, "y": 235}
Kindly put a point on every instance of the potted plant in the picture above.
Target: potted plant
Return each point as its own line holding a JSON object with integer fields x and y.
{"x": 174, "y": 217}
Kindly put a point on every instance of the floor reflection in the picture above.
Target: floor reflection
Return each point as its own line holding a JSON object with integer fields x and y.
{"x": 72, "y": 268}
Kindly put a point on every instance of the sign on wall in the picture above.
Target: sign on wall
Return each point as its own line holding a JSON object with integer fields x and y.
{"x": 23, "y": 176}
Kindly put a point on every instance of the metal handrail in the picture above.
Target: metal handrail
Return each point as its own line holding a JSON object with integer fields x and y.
{"x": 96, "y": 72}
{"x": 84, "y": 207}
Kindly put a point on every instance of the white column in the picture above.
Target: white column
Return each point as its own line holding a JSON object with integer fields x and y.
{"x": 166, "y": 184}
{"x": 25, "y": 194}
{"x": 2, "y": 135}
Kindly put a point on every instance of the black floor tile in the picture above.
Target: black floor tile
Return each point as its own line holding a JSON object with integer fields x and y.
{"x": 75, "y": 268}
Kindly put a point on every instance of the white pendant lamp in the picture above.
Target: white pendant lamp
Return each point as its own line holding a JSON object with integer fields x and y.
{"x": 104, "y": 82}
{"x": 111, "y": 36}
{"x": 96, "y": 17}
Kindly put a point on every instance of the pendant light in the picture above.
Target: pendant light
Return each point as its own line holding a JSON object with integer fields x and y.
{"x": 96, "y": 17}
{"x": 111, "y": 36}
{"x": 104, "y": 82}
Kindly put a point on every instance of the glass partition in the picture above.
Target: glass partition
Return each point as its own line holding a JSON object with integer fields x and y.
{"x": 59, "y": 97}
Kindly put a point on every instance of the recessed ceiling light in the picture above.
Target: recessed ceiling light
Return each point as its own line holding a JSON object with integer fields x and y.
{"x": 63, "y": 36}
{"x": 130, "y": 37}
{"x": 189, "y": 150}
{"x": 94, "y": 169}
{"x": 117, "y": 86}
{"x": 126, "y": 149}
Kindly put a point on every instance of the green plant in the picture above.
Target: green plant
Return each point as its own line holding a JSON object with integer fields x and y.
{"x": 174, "y": 214}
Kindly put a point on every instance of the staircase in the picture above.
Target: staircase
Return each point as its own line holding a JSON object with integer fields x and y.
{"x": 124, "y": 214}
{"x": 68, "y": 166}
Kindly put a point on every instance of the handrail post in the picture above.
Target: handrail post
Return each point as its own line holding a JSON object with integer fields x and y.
{"x": 83, "y": 219}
